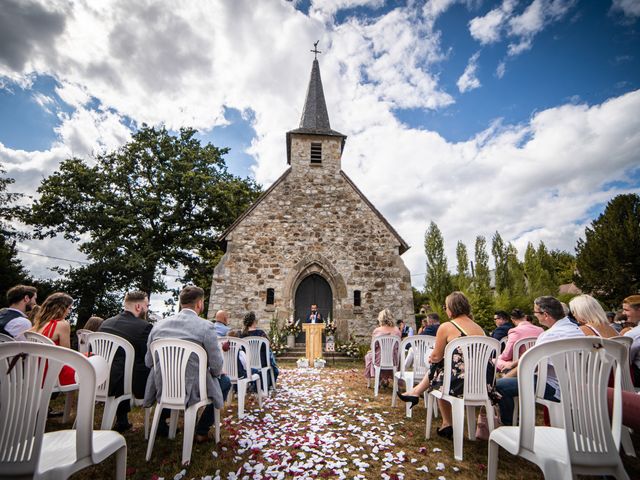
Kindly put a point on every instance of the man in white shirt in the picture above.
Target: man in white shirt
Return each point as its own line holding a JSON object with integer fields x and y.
{"x": 13, "y": 320}
{"x": 549, "y": 312}
{"x": 631, "y": 308}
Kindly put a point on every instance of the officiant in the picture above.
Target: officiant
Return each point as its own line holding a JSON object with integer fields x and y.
{"x": 314, "y": 316}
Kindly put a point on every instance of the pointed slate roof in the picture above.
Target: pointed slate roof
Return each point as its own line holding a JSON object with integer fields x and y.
{"x": 315, "y": 118}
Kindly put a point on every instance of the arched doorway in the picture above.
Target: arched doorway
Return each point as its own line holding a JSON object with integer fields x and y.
{"x": 314, "y": 289}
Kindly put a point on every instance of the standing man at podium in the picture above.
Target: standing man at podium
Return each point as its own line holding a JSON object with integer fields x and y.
{"x": 314, "y": 316}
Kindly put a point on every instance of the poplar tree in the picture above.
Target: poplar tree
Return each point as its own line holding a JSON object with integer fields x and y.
{"x": 438, "y": 279}
{"x": 462, "y": 280}
{"x": 499, "y": 251}
{"x": 482, "y": 297}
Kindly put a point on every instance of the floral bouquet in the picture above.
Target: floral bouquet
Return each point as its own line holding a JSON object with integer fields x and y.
{"x": 330, "y": 327}
{"x": 319, "y": 363}
{"x": 292, "y": 327}
{"x": 302, "y": 363}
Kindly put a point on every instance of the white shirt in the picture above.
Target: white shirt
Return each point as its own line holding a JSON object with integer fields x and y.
{"x": 634, "y": 332}
{"x": 562, "y": 329}
{"x": 18, "y": 325}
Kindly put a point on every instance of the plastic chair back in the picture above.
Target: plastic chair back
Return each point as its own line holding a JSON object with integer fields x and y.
{"x": 389, "y": 346}
{"x": 477, "y": 351}
{"x": 24, "y": 406}
{"x": 6, "y": 338}
{"x": 421, "y": 346}
{"x": 230, "y": 357}
{"x": 36, "y": 337}
{"x": 523, "y": 344}
{"x": 256, "y": 345}
{"x": 106, "y": 345}
{"x": 583, "y": 367}
{"x": 627, "y": 382}
{"x": 82, "y": 334}
{"x": 171, "y": 356}
{"x": 503, "y": 343}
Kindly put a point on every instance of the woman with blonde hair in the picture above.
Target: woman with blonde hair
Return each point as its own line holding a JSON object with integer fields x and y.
{"x": 50, "y": 322}
{"x": 461, "y": 324}
{"x": 386, "y": 326}
{"x": 591, "y": 317}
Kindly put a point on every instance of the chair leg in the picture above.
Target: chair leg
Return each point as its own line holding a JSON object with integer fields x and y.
{"x": 216, "y": 417}
{"x": 190, "y": 415}
{"x": 260, "y": 393}
{"x": 109, "y": 413}
{"x": 627, "y": 444}
{"x": 68, "y": 402}
{"x": 492, "y": 467}
{"x": 154, "y": 429}
{"x": 457, "y": 414}
{"x": 147, "y": 415}
{"x": 376, "y": 383}
{"x": 273, "y": 378}
{"x": 395, "y": 390}
{"x": 121, "y": 463}
{"x": 264, "y": 374}
{"x": 471, "y": 422}
{"x": 242, "y": 388}
{"x": 430, "y": 402}
{"x": 173, "y": 424}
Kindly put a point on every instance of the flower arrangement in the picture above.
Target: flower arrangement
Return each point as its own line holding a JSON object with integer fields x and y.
{"x": 276, "y": 338}
{"x": 319, "y": 363}
{"x": 351, "y": 348}
{"x": 330, "y": 327}
{"x": 292, "y": 327}
{"x": 302, "y": 363}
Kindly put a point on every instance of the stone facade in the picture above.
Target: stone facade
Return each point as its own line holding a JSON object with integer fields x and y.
{"x": 313, "y": 219}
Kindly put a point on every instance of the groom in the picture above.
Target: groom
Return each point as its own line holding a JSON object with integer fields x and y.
{"x": 315, "y": 316}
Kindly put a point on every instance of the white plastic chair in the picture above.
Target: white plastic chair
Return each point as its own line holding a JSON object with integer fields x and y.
{"x": 106, "y": 345}
{"x": 526, "y": 342}
{"x": 586, "y": 443}
{"x": 6, "y": 338}
{"x": 82, "y": 334}
{"x": 627, "y": 386}
{"x": 419, "y": 349}
{"x": 171, "y": 356}
{"x": 256, "y": 344}
{"x": 477, "y": 353}
{"x": 230, "y": 357}
{"x": 35, "y": 337}
{"x": 25, "y": 391}
{"x": 389, "y": 347}
{"x": 503, "y": 344}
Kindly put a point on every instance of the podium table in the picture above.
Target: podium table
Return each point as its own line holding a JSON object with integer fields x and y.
{"x": 313, "y": 334}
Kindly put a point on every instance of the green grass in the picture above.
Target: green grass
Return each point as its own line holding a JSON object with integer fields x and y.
{"x": 331, "y": 417}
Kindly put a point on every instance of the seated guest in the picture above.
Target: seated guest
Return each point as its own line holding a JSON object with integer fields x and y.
{"x": 591, "y": 317}
{"x": 631, "y": 308}
{"x": 503, "y": 324}
{"x": 221, "y": 323}
{"x": 611, "y": 318}
{"x": 432, "y": 321}
{"x": 549, "y": 312}
{"x": 51, "y": 323}
{"x": 523, "y": 329}
{"x": 386, "y": 326}
{"x": 250, "y": 329}
{"x": 130, "y": 324}
{"x": 405, "y": 330}
{"x": 93, "y": 324}
{"x": 13, "y": 320}
{"x": 187, "y": 325}
{"x": 461, "y": 325}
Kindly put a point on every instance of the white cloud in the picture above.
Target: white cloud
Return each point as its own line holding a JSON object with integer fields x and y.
{"x": 488, "y": 29}
{"x": 501, "y": 69}
{"x": 469, "y": 80}
{"x": 629, "y": 8}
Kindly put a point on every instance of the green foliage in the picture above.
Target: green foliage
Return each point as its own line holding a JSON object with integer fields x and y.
{"x": 11, "y": 269}
{"x": 419, "y": 299}
{"x": 462, "y": 279}
{"x": 438, "y": 279}
{"x": 607, "y": 260}
{"x": 159, "y": 202}
{"x": 539, "y": 268}
{"x": 499, "y": 251}
{"x": 481, "y": 295}
{"x": 564, "y": 266}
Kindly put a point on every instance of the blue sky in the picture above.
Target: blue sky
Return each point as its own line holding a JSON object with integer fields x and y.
{"x": 516, "y": 116}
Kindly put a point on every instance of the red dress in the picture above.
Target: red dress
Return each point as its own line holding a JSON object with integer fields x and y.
{"x": 67, "y": 374}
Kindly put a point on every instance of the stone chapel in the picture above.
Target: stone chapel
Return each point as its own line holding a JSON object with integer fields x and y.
{"x": 313, "y": 238}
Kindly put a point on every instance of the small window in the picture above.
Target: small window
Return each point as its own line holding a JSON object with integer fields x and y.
{"x": 270, "y": 296}
{"x": 316, "y": 153}
{"x": 357, "y": 298}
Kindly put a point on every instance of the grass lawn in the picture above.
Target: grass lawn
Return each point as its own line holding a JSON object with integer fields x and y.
{"x": 318, "y": 424}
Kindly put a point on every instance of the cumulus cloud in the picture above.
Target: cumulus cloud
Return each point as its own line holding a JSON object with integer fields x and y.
{"x": 629, "y": 8}
{"x": 488, "y": 28}
{"x": 469, "y": 80}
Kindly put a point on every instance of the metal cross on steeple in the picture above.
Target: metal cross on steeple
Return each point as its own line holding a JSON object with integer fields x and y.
{"x": 315, "y": 50}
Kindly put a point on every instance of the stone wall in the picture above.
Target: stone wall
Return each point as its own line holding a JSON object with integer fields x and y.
{"x": 313, "y": 221}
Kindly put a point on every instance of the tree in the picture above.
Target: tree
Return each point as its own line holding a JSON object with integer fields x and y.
{"x": 564, "y": 266}
{"x": 462, "y": 280}
{"x": 499, "y": 251}
{"x": 156, "y": 203}
{"x": 438, "y": 279}
{"x": 482, "y": 297}
{"x": 607, "y": 260}
{"x": 539, "y": 268}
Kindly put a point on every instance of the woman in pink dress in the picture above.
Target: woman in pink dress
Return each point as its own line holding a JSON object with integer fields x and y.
{"x": 50, "y": 322}
{"x": 386, "y": 326}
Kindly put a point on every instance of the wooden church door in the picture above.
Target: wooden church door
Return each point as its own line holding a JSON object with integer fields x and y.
{"x": 313, "y": 290}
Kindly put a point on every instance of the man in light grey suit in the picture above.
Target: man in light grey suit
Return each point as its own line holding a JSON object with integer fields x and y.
{"x": 187, "y": 325}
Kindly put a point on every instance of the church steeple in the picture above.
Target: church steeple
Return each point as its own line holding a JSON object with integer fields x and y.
{"x": 315, "y": 118}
